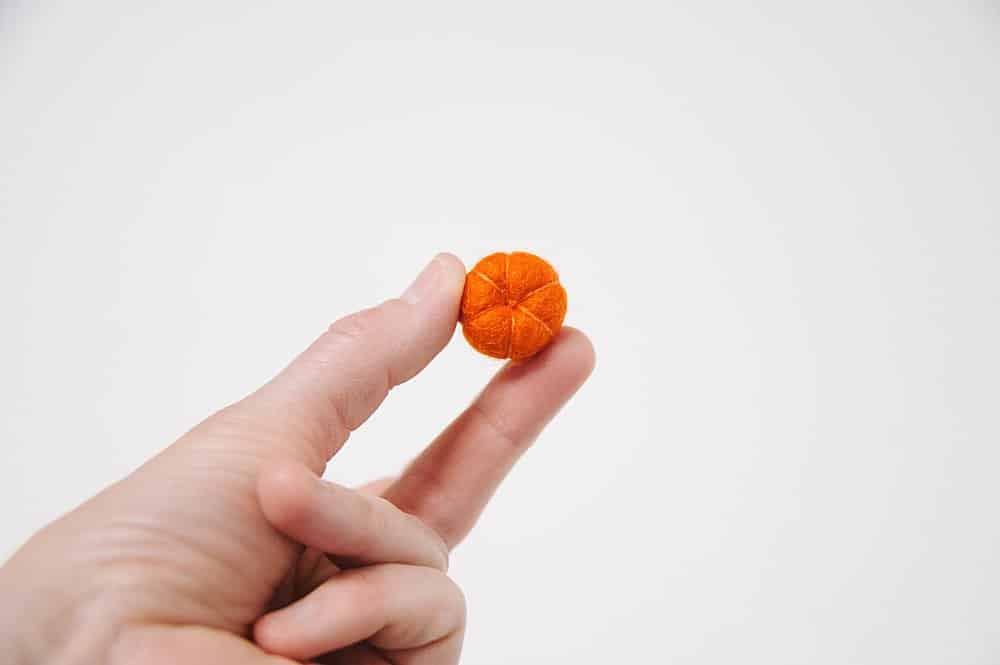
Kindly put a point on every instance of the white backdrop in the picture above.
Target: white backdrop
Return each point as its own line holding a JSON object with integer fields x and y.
{"x": 778, "y": 221}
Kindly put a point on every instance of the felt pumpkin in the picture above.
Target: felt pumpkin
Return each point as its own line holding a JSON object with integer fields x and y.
{"x": 512, "y": 306}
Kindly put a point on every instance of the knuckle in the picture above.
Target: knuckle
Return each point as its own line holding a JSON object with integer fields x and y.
{"x": 355, "y": 346}
{"x": 434, "y": 550}
{"x": 366, "y": 324}
{"x": 443, "y": 554}
{"x": 457, "y": 601}
{"x": 445, "y": 563}
{"x": 377, "y": 523}
{"x": 356, "y": 328}
{"x": 367, "y": 528}
{"x": 284, "y": 494}
{"x": 508, "y": 437}
{"x": 368, "y": 591}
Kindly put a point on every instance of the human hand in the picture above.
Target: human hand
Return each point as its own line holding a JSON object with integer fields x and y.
{"x": 224, "y": 536}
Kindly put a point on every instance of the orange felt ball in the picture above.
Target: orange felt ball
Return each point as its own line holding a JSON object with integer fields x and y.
{"x": 512, "y": 306}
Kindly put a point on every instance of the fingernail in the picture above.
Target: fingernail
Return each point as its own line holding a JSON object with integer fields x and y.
{"x": 424, "y": 284}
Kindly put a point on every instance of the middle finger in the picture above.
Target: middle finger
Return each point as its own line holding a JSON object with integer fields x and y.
{"x": 353, "y": 528}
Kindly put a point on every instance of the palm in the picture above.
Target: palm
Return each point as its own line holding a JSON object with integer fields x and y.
{"x": 215, "y": 562}
{"x": 183, "y": 542}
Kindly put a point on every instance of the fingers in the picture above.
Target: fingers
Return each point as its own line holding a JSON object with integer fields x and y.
{"x": 353, "y": 527}
{"x": 449, "y": 484}
{"x": 333, "y": 386}
{"x": 412, "y": 609}
{"x": 359, "y": 654}
{"x": 157, "y": 644}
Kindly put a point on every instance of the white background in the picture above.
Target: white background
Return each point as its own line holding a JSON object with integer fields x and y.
{"x": 778, "y": 221}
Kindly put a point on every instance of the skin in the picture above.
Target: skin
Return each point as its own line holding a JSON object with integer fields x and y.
{"x": 227, "y": 547}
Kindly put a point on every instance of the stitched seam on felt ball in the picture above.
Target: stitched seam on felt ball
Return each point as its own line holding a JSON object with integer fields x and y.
{"x": 485, "y": 311}
{"x": 506, "y": 296}
{"x": 532, "y": 315}
{"x": 486, "y": 279}
{"x": 536, "y": 290}
{"x": 506, "y": 279}
{"x": 510, "y": 338}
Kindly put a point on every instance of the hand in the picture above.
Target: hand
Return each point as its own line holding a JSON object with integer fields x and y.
{"x": 229, "y": 533}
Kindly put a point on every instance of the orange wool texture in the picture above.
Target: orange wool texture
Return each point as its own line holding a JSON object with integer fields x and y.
{"x": 512, "y": 306}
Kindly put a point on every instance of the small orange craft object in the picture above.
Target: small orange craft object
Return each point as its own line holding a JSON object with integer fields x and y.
{"x": 512, "y": 306}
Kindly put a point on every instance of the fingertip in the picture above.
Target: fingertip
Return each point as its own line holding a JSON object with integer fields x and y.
{"x": 581, "y": 349}
{"x": 267, "y": 633}
{"x": 453, "y": 280}
{"x": 571, "y": 354}
{"x": 259, "y": 631}
{"x": 453, "y": 264}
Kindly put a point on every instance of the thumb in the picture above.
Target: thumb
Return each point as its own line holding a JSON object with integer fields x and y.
{"x": 309, "y": 409}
